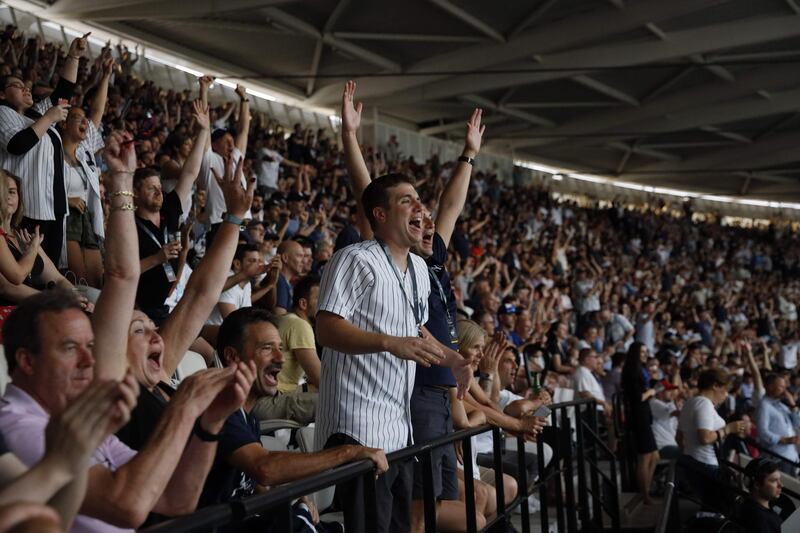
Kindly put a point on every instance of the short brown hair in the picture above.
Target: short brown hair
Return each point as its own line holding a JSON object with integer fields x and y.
{"x": 713, "y": 376}
{"x": 377, "y": 194}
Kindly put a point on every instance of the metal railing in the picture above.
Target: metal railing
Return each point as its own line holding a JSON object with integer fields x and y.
{"x": 572, "y": 424}
{"x": 671, "y": 518}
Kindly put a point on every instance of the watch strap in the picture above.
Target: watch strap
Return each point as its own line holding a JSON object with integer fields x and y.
{"x": 227, "y": 217}
{"x": 466, "y": 159}
{"x": 204, "y": 435}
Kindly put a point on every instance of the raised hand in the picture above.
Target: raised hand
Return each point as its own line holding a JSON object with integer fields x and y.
{"x": 351, "y": 112}
{"x": 197, "y": 392}
{"x": 107, "y": 64}
{"x": 273, "y": 272}
{"x": 120, "y": 154}
{"x": 78, "y": 46}
{"x": 237, "y": 199}
{"x": 206, "y": 80}
{"x": 472, "y": 143}
{"x": 200, "y": 114}
{"x": 241, "y": 91}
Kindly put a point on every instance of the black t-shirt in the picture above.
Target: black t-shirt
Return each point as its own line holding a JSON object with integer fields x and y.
{"x": 437, "y": 315}
{"x": 3, "y": 446}
{"x": 225, "y": 482}
{"x": 756, "y": 519}
{"x": 145, "y": 417}
{"x": 154, "y": 285}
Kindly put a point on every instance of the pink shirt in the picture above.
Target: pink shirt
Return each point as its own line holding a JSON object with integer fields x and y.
{"x": 22, "y": 423}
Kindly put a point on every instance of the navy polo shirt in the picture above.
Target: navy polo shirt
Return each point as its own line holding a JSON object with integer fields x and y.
{"x": 437, "y": 315}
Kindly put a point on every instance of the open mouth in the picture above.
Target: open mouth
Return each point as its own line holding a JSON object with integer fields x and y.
{"x": 416, "y": 224}
{"x": 271, "y": 375}
{"x": 154, "y": 360}
{"x": 427, "y": 238}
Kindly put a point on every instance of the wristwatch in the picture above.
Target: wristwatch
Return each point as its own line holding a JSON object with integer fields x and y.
{"x": 233, "y": 219}
{"x": 204, "y": 435}
{"x": 466, "y": 159}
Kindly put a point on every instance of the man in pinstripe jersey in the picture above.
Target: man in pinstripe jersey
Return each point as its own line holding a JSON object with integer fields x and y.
{"x": 373, "y": 304}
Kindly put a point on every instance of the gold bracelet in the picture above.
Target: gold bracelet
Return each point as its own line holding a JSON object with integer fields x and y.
{"x": 122, "y": 193}
{"x": 124, "y": 207}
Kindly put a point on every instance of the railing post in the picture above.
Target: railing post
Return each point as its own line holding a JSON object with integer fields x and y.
{"x": 615, "y": 524}
{"x": 569, "y": 487}
{"x": 583, "y": 495}
{"x": 597, "y": 511}
{"x": 469, "y": 486}
{"x": 523, "y": 484}
{"x": 284, "y": 520}
{"x": 429, "y": 499}
{"x": 557, "y": 462}
{"x": 370, "y": 502}
{"x": 543, "y": 514}
{"x": 497, "y": 444}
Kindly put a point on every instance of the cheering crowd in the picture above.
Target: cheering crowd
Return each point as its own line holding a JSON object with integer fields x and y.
{"x": 385, "y": 300}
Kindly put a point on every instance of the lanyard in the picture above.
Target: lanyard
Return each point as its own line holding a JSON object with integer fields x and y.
{"x": 150, "y": 233}
{"x": 451, "y": 325}
{"x": 415, "y": 308}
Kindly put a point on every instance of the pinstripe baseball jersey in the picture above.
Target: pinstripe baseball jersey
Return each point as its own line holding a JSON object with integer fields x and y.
{"x": 367, "y": 396}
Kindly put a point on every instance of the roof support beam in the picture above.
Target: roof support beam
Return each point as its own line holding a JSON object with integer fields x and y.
{"x": 636, "y": 148}
{"x": 681, "y": 44}
{"x": 557, "y": 105}
{"x": 407, "y": 37}
{"x": 535, "y": 15}
{"x": 503, "y": 110}
{"x": 560, "y": 35}
{"x": 469, "y": 19}
{"x": 458, "y": 124}
{"x": 315, "y": 58}
{"x": 108, "y": 10}
{"x": 778, "y": 150}
{"x": 607, "y": 90}
{"x": 668, "y": 83}
{"x": 794, "y": 6}
{"x": 726, "y": 134}
{"x": 300, "y": 26}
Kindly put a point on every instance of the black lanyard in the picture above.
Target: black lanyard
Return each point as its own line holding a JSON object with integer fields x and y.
{"x": 451, "y": 325}
{"x": 415, "y": 307}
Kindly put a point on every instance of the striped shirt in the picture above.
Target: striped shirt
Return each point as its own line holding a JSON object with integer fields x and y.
{"x": 36, "y": 166}
{"x": 367, "y": 396}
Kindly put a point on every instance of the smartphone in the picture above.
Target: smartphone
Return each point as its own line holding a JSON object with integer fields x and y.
{"x": 542, "y": 412}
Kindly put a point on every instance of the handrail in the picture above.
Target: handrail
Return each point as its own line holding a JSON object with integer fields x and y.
{"x": 669, "y": 494}
{"x": 760, "y": 447}
{"x": 280, "y": 498}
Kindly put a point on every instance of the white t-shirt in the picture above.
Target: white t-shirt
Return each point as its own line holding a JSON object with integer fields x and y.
{"x": 237, "y": 295}
{"x": 699, "y": 413}
{"x": 665, "y": 426}
{"x": 618, "y": 327}
{"x": 584, "y": 381}
{"x": 215, "y": 202}
{"x": 268, "y": 170}
{"x": 788, "y": 356}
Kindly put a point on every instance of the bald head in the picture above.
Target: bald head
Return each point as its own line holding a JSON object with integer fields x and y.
{"x": 292, "y": 255}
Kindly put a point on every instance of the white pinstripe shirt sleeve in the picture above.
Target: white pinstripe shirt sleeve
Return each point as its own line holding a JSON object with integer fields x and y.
{"x": 11, "y": 123}
{"x": 93, "y": 141}
{"x": 344, "y": 283}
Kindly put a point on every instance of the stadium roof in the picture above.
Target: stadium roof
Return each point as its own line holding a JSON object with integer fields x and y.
{"x": 693, "y": 94}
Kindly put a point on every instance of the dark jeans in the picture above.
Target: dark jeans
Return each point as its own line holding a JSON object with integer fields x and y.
{"x": 704, "y": 479}
{"x": 392, "y": 496}
{"x": 430, "y": 418}
{"x": 53, "y": 231}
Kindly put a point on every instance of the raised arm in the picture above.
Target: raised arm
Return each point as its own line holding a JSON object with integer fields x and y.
{"x": 354, "y": 159}
{"x": 77, "y": 48}
{"x": 101, "y": 96}
{"x": 114, "y": 307}
{"x": 455, "y": 192}
{"x": 243, "y": 123}
{"x": 191, "y": 168}
{"x": 205, "y": 82}
{"x": 206, "y": 282}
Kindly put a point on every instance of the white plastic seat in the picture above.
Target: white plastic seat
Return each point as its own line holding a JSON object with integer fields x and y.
{"x": 192, "y": 362}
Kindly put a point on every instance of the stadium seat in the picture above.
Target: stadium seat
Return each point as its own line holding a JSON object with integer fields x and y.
{"x": 192, "y": 362}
